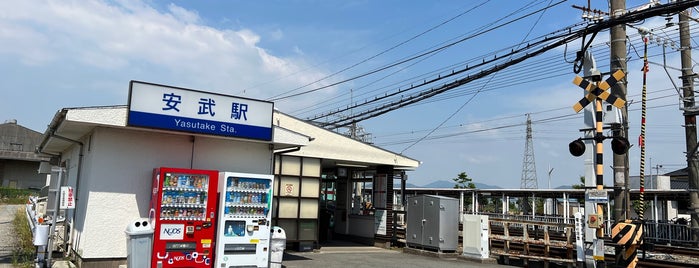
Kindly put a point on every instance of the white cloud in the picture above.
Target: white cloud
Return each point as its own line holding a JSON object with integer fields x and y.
{"x": 83, "y": 53}
{"x": 183, "y": 14}
{"x": 118, "y": 36}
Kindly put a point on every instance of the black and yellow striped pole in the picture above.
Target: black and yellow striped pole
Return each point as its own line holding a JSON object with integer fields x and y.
{"x": 629, "y": 234}
{"x": 599, "y": 173}
{"x": 642, "y": 138}
{"x": 597, "y": 92}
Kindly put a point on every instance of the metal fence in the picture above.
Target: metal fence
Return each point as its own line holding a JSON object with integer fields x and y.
{"x": 662, "y": 232}
{"x": 668, "y": 233}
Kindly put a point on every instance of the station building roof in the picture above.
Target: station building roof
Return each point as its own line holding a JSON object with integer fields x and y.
{"x": 296, "y": 137}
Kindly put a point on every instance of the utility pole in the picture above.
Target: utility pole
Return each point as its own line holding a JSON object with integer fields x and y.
{"x": 618, "y": 62}
{"x": 690, "y": 124}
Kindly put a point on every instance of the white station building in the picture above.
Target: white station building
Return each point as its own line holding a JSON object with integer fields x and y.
{"x": 323, "y": 180}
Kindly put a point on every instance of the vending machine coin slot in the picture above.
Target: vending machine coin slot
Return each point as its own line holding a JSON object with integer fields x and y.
{"x": 236, "y": 249}
{"x": 180, "y": 246}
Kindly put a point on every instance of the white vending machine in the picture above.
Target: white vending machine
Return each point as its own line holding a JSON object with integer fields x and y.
{"x": 244, "y": 231}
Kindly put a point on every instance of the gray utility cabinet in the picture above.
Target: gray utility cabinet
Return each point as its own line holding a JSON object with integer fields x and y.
{"x": 433, "y": 222}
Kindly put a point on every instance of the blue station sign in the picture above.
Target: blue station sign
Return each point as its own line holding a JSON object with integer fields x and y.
{"x": 180, "y": 109}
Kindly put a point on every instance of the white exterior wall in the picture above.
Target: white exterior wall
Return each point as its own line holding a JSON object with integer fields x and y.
{"x": 117, "y": 175}
{"x": 660, "y": 182}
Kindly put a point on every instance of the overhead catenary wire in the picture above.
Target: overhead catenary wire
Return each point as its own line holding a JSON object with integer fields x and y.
{"x": 282, "y": 95}
{"x": 411, "y": 58}
{"x": 425, "y": 94}
{"x": 543, "y": 64}
{"x": 472, "y": 96}
{"x": 552, "y": 119}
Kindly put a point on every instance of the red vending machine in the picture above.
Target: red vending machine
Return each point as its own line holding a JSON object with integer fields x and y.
{"x": 183, "y": 214}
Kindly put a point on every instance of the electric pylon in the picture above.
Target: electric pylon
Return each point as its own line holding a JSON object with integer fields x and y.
{"x": 529, "y": 179}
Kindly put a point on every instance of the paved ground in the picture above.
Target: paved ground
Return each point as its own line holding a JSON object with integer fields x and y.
{"x": 7, "y": 214}
{"x": 338, "y": 254}
{"x": 354, "y": 256}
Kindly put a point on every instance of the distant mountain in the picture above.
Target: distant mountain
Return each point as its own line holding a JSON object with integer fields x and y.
{"x": 450, "y": 184}
{"x": 447, "y": 184}
{"x": 407, "y": 185}
{"x": 439, "y": 184}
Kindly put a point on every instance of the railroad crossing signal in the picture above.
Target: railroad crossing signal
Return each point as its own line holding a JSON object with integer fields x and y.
{"x": 620, "y": 145}
{"x": 599, "y": 91}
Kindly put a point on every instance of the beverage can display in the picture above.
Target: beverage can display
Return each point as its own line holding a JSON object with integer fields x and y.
{"x": 182, "y": 181}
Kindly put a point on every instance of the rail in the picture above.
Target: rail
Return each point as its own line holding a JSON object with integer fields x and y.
{"x": 550, "y": 239}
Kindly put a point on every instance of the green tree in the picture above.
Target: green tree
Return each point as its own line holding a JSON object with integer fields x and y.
{"x": 581, "y": 185}
{"x": 637, "y": 205}
{"x": 462, "y": 181}
{"x": 490, "y": 204}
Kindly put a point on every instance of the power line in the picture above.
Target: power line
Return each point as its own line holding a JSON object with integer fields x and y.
{"x": 423, "y": 54}
{"x": 545, "y": 120}
{"x": 472, "y": 96}
{"x": 281, "y": 95}
{"x": 383, "y": 99}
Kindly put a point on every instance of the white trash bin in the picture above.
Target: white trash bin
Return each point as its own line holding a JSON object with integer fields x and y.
{"x": 278, "y": 245}
{"x": 41, "y": 235}
{"x": 139, "y": 243}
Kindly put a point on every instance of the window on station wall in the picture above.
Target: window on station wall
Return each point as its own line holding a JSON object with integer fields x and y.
{"x": 327, "y": 190}
{"x": 362, "y": 193}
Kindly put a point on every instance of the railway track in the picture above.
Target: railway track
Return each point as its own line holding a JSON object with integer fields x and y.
{"x": 661, "y": 256}
{"x": 676, "y": 250}
{"x": 662, "y": 263}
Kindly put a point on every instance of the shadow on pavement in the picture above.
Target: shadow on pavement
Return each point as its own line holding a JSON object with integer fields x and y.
{"x": 290, "y": 256}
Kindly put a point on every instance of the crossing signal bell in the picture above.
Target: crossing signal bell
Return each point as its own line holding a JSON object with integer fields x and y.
{"x": 620, "y": 145}
{"x": 577, "y": 147}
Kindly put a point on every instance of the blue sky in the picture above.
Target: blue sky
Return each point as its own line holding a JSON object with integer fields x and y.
{"x": 84, "y": 53}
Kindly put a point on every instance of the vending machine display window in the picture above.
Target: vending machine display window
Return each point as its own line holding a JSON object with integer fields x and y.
{"x": 184, "y": 197}
{"x": 246, "y": 197}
